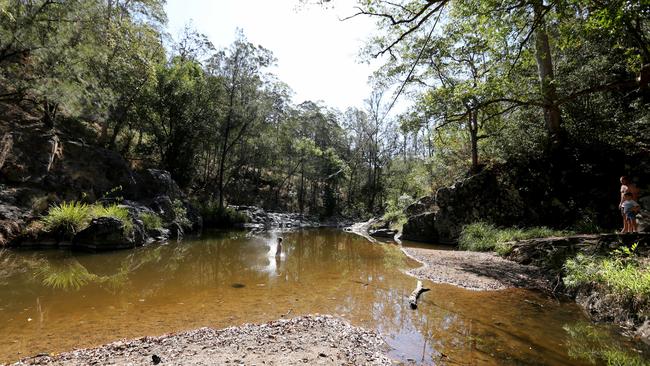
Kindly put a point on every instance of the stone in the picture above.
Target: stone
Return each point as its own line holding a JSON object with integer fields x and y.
{"x": 164, "y": 207}
{"x": 643, "y": 332}
{"x": 108, "y": 233}
{"x": 383, "y": 233}
{"x": 421, "y": 228}
{"x": 151, "y": 183}
{"x": 422, "y": 205}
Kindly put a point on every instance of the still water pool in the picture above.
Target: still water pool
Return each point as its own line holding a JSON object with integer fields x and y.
{"x": 53, "y": 301}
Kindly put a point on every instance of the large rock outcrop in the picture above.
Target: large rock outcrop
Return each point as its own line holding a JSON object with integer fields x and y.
{"x": 483, "y": 197}
{"x": 421, "y": 228}
{"x": 40, "y": 166}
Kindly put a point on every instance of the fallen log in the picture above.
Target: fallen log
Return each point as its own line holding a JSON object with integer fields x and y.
{"x": 413, "y": 299}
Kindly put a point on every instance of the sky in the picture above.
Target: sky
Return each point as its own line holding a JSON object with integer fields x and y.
{"x": 317, "y": 53}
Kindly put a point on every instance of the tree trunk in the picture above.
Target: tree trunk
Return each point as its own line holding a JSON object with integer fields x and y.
{"x": 473, "y": 138}
{"x": 301, "y": 196}
{"x": 544, "y": 60}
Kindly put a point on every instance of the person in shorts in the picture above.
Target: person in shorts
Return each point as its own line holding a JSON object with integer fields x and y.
{"x": 630, "y": 209}
{"x": 627, "y": 186}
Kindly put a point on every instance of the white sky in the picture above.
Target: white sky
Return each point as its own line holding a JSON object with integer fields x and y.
{"x": 316, "y": 52}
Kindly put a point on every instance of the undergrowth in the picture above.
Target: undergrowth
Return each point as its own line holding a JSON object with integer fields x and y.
{"x": 74, "y": 216}
{"x": 481, "y": 237}
{"x": 213, "y": 215}
{"x": 151, "y": 221}
{"x": 622, "y": 273}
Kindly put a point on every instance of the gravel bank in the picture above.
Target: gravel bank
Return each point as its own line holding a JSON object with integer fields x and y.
{"x": 307, "y": 340}
{"x": 474, "y": 270}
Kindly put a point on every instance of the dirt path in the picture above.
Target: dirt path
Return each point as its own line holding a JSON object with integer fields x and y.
{"x": 307, "y": 340}
{"x": 474, "y": 270}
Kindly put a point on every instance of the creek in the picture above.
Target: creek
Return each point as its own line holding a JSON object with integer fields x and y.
{"x": 56, "y": 300}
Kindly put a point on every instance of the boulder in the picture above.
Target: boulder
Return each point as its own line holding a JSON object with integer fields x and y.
{"x": 159, "y": 234}
{"x": 643, "y": 218}
{"x": 151, "y": 183}
{"x": 164, "y": 207}
{"x": 482, "y": 197}
{"x": 194, "y": 215}
{"x": 421, "y": 228}
{"x": 107, "y": 233}
{"x": 422, "y": 205}
{"x": 643, "y": 332}
{"x": 383, "y": 233}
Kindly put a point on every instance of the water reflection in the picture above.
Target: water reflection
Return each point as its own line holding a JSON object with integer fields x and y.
{"x": 594, "y": 344}
{"x": 56, "y": 300}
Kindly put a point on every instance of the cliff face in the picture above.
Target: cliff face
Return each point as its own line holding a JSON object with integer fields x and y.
{"x": 41, "y": 166}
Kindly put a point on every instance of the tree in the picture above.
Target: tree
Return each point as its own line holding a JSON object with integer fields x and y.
{"x": 241, "y": 69}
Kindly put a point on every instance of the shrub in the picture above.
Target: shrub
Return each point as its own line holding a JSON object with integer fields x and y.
{"x": 625, "y": 277}
{"x": 151, "y": 221}
{"x": 68, "y": 217}
{"x": 396, "y": 219}
{"x": 180, "y": 213}
{"x": 482, "y": 237}
{"x": 221, "y": 217}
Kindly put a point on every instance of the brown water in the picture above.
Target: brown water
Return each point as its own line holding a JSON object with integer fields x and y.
{"x": 53, "y": 301}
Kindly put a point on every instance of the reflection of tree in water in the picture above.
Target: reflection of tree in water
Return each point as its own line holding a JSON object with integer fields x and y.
{"x": 595, "y": 345}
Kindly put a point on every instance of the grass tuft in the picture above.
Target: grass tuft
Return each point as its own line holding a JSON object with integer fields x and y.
{"x": 68, "y": 217}
{"x": 72, "y": 217}
{"x": 151, "y": 221}
{"x": 482, "y": 237}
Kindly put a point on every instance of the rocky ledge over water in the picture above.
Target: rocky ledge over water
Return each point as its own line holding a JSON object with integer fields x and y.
{"x": 306, "y": 340}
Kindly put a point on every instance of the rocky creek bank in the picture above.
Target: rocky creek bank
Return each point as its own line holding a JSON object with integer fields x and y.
{"x": 40, "y": 167}
{"x": 599, "y": 301}
{"x": 311, "y": 340}
{"x": 516, "y": 196}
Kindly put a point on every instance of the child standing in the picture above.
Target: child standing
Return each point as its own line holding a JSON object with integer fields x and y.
{"x": 630, "y": 209}
{"x": 278, "y": 248}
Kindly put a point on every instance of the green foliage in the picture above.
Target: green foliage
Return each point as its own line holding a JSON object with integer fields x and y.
{"x": 486, "y": 237}
{"x": 115, "y": 211}
{"x": 623, "y": 276}
{"x": 217, "y": 216}
{"x": 180, "y": 213}
{"x": 394, "y": 214}
{"x": 586, "y": 223}
{"x": 72, "y": 217}
{"x": 68, "y": 217}
{"x": 151, "y": 221}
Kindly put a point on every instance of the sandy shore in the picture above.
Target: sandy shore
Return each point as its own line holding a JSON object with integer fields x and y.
{"x": 474, "y": 270}
{"x": 307, "y": 340}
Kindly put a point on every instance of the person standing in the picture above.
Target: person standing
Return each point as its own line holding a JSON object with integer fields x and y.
{"x": 278, "y": 248}
{"x": 630, "y": 209}
{"x": 627, "y": 186}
